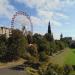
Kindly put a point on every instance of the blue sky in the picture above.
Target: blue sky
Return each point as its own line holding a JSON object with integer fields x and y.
{"x": 60, "y": 13}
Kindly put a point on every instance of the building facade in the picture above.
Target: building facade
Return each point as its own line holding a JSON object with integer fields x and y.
{"x": 4, "y": 30}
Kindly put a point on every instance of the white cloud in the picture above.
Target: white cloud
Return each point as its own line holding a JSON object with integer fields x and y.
{"x": 56, "y": 23}
{"x": 36, "y": 21}
{"x": 47, "y": 4}
{"x": 45, "y": 9}
{"x": 45, "y": 14}
{"x": 62, "y": 15}
{"x": 33, "y": 3}
{"x": 6, "y": 9}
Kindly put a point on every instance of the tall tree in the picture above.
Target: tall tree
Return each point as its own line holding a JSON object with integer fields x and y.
{"x": 61, "y": 36}
{"x": 49, "y": 35}
{"x": 49, "y": 28}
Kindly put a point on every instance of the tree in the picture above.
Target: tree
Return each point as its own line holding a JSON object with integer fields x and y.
{"x": 49, "y": 37}
{"x": 37, "y": 37}
{"x": 49, "y": 28}
{"x": 3, "y": 48}
{"x": 59, "y": 45}
{"x": 3, "y": 51}
{"x": 16, "y": 45}
{"x": 61, "y": 36}
{"x": 3, "y": 38}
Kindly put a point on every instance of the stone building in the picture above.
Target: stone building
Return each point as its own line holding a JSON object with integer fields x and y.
{"x": 4, "y": 30}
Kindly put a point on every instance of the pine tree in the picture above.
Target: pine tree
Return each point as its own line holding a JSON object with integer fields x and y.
{"x": 61, "y": 36}
{"x": 49, "y": 35}
{"x": 49, "y": 28}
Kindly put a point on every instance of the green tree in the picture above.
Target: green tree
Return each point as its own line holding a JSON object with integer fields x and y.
{"x": 61, "y": 37}
{"x": 3, "y": 48}
{"x": 16, "y": 45}
{"x": 49, "y": 28}
{"x": 59, "y": 45}
{"x": 49, "y": 37}
{"x": 36, "y": 38}
{"x": 3, "y": 51}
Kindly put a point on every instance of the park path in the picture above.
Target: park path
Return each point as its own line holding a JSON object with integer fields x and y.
{"x": 12, "y": 64}
{"x": 6, "y": 71}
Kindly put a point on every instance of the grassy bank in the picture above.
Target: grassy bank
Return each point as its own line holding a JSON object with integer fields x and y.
{"x": 65, "y": 57}
{"x": 70, "y": 59}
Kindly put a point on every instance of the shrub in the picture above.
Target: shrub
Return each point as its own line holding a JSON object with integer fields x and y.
{"x": 43, "y": 56}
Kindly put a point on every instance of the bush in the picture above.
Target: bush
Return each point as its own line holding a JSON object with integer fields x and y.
{"x": 72, "y": 45}
{"x": 53, "y": 70}
{"x": 43, "y": 56}
{"x": 67, "y": 69}
{"x": 31, "y": 71}
{"x": 60, "y": 45}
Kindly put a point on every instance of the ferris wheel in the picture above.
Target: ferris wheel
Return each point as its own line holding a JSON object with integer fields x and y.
{"x": 21, "y": 20}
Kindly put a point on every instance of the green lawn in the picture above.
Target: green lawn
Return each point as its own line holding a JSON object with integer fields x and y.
{"x": 70, "y": 59}
{"x": 65, "y": 57}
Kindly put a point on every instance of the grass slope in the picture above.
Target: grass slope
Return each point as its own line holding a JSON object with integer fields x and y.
{"x": 59, "y": 58}
{"x": 70, "y": 59}
{"x": 65, "y": 57}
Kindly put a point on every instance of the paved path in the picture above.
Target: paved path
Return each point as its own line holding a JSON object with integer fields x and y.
{"x": 6, "y": 71}
{"x": 17, "y": 68}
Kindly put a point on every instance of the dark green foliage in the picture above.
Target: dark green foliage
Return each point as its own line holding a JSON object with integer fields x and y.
{"x": 17, "y": 44}
{"x": 66, "y": 40}
{"x": 52, "y": 70}
{"x": 42, "y": 46}
{"x": 2, "y": 49}
{"x": 56, "y": 70}
{"x": 13, "y": 47}
{"x": 49, "y": 28}
{"x": 67, "y": 70}
{"x": 37, "y": 38}
{"x": 60, "y": 45}
{"x": 49, "y": 36}
{"x": 3, "y": 38}
{"x": 61, "y": 37}
{"x": 72, "y": 45}
{"x": 43, "y": 56}
{"x": 3, "y": 46}
{"x": 40, "y": 41}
